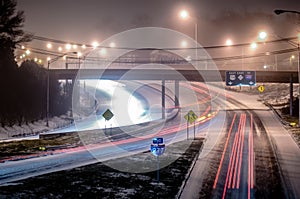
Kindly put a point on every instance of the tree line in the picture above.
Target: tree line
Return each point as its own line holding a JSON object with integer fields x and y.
{"x": 23, "y": 89}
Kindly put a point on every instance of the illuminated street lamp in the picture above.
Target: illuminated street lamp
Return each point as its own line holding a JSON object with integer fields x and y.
{"x": 95, "y": 44}
{"x": 183, "y": 44}
{"x": 68, "y": 46}
{"x": 27, "y": 52}
{"x": 49, "y": 45}
{"x": 228, "y": 42}
{"x": 50, "y": 61}
{"x": 278, "y": 12}
{"x": 253, "y": 45}
{"x": 293, "y": 57}
{"x": 262, "y": 35}
{"x": 112, "y": 45}
{"x": 184, "y": 14}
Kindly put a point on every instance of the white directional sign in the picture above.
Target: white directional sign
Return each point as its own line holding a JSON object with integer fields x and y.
{"x": 240, "y": 77}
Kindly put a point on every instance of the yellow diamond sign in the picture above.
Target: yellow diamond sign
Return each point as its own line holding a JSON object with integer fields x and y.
{"x": 107, "y": 114}
{"x": 261, "y": 89}
{"x": 190, "y": 117}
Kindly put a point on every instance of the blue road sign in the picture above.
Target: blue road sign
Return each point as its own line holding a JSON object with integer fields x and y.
{"x": 157, "y": 149}
{"x": 158, "y": 140}
{"x": 240, "y": 78}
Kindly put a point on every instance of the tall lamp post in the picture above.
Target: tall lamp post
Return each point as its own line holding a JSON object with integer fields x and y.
{"x": 278, "y": 12}
{"x": 50, "y": 61}
{"x": 184, "y": 14}
{"x": 262, "y": 36}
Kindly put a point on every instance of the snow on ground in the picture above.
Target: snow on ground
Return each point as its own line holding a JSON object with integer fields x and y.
{"x": 275, "y": 94}
{"x": 100, "y": 181}
{"x": 278, "y": 96}
{"x": 34, "y": 128}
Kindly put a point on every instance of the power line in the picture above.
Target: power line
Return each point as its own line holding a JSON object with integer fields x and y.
{"x": 280, "y": 40}
{"x": 141, "y": 61}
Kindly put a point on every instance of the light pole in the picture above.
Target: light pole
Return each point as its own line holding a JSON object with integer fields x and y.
{"x": 263, "y": 36}
{"x": 184, "y": 14}
{"x": 50, "y": 61}
{"x": 278, "y": 12}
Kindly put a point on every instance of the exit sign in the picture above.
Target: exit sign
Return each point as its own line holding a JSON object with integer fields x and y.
{"x": 240, "y": 78}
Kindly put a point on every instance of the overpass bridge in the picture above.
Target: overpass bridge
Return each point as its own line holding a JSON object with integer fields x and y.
{"x": 169, "y": 74}
{"x": 164, "y": 65}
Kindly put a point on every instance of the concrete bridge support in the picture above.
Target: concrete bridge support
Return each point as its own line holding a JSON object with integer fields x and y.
{"x": 291, "y": 94}
{"x": 176, "y": 93}
{"x": 163, "y": 99}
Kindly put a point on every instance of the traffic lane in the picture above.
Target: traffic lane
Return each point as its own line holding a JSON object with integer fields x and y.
{"x": 150, "y": 94}
{"x": 287, "y": 151}
{"x": 70, "y": 158}
{"x": 66, "y": 159}
{"x": 234, "y": 178}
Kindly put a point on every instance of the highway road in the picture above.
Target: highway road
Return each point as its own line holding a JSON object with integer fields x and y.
{"x": 254, "y": 157}
{"x": 247, "y": 152}
{"x": 120, "y": 98}
{"x": 108, "y": 148}
{"x": 236, "y": 166}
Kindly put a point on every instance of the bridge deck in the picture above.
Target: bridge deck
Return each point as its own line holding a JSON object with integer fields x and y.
{"x": 168, "y": 74}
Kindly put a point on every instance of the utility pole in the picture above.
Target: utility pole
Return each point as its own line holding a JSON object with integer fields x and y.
{"x": 278, "y": 12}
{"x": 48, "y": 84}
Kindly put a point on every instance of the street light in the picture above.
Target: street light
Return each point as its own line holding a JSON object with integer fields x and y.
{"x": 278, "y": 12}
{"x": 253, "y": 45}
{"x": 262, "y": 35}
{"x": 184, "y": 14}
{"x": 229, "y": 42}
{"x": 50, "y": 61}
{"x": 183, "y": 44}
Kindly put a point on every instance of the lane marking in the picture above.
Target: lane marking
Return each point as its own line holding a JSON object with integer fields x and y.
{"x": 249, "y": 159}
{"x": 224, "y": 151}
{"x": 235, "y": 155}
{"x": 252, "y": 155}
{"x": 238, "y": 152}
{"x": 230, "y": 161}
{"x": 241, "y": 152}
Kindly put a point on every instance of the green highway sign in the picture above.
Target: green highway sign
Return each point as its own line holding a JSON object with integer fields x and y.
{"x": 240, "y": 78}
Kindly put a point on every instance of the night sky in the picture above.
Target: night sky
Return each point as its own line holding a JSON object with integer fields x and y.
{"x": 88, "y": 20}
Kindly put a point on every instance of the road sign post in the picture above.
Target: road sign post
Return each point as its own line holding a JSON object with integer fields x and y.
{"x": 107, "y": 116}
{"x": 187, "y": 129}
{"x": 190, "y": 117}
{"x": 157, "y": 148}
{"x": 194, "y": 130}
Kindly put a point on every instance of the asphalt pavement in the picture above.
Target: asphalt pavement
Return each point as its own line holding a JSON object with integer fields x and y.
{"x": 285, "y": 148}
